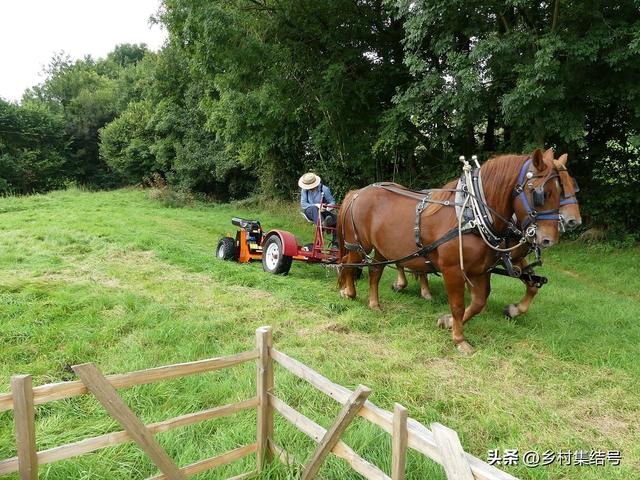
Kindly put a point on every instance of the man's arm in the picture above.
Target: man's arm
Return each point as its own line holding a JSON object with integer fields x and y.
{"x": 328, "y": 198}
{"x": 304, "y": 199}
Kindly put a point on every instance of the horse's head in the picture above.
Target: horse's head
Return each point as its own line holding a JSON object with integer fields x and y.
{"x": 538, "y": 194}
{"x": 569, "y": 208}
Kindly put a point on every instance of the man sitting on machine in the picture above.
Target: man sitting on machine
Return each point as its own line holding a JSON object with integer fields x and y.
{"x": 312, "y": 195}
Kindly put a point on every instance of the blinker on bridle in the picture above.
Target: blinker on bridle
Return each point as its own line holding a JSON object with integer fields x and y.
{"x": 537, "y": 196}
{"x": 568, "y": 198}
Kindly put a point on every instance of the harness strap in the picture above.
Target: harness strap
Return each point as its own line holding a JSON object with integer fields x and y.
{"x": 420, "y": 207}
{"x": 421, "y": 252}
{"x": 486, "y": 221}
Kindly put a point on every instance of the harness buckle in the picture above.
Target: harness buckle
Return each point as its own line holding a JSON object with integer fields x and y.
{"x": 531, "y": 231}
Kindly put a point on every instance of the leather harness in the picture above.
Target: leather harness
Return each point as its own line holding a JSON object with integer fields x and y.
{"x": 473, "y": 223}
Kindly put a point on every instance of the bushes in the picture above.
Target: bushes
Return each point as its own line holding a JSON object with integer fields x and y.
{"x": 126, "y": 144}
{"x": 170, "y": 197}
{"x": 33, "y": 149}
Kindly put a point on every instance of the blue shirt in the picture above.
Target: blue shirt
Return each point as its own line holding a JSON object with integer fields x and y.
{"x": 309, "y": 197}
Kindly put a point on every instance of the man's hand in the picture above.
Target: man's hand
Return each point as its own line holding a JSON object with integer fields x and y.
{"x": 317, "y": 205}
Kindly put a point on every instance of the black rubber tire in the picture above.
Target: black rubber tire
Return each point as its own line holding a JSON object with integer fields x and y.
{"x": 273, "y": 258}
{"x": 226, "y": 249}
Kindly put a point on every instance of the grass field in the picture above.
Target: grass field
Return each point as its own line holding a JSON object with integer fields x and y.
{"x": 123, "y": 281}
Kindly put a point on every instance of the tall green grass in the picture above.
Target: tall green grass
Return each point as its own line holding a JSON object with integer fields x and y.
{"x": 124, "y": 281}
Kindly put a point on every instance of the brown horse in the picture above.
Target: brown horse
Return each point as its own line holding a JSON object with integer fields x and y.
{"x": 571, "y": 219}
{"x": 383, "y": 219}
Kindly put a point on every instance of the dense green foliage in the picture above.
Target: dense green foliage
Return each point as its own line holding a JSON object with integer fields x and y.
{"x": 136, "y": 285}
{"x": 33, "y": 149}
{"x": 247, "y": 94}
{"x": 509, "y": 76}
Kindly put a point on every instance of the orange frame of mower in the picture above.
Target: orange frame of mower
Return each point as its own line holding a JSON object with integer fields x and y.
{"x": 244, "y": 252}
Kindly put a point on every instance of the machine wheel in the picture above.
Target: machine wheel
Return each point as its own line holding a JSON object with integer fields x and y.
{"x": 226, "y": 249}
{"x": 273, "y": 258}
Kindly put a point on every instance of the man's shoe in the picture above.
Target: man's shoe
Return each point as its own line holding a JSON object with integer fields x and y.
{"x": 329, "y": 221}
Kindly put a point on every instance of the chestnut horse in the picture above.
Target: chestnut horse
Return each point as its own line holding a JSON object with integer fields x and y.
{"x": 570, "y": 218}
{"x": 380, "y": 219}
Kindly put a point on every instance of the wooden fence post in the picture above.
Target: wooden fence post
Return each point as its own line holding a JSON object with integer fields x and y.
{"x": 454, "y": 460}
{"x": 399, "y": 439}
{"x": 264, "y": 386}
{"x": 24, "y": 418}
{"x": 113, "y": 403}
{"x": 348, "y": 412}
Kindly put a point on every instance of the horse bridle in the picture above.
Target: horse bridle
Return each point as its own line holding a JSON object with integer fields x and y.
{"x": 525, "y": 177}
{"x": 569, "y": 195}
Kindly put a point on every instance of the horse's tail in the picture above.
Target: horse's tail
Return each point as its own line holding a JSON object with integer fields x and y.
{"x": 343, "y": 221}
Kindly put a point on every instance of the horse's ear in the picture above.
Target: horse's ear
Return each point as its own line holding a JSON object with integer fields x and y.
{"x": 549, "y": 154}
{"x": 563, "y": 159}
{"x": 537, "y": 159}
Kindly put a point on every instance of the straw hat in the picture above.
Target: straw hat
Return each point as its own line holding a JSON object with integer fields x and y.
{"x": 308, "y": 181}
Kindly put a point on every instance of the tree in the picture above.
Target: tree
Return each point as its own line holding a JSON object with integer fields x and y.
{"x": 33, "y": 149}
{"x": 87, "y": 94}
{"x": 508, "y": 76}
{"x": 294, "y": 85}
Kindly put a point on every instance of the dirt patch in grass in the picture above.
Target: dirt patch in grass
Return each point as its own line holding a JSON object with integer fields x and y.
{"x": 334, "y": 327}
{"x": 251, "y": 292}
{"x": 610, "y": 426}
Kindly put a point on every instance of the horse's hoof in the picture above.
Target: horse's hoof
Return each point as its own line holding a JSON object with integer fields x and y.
{"x": 465, "y": 348}
{"x": 445, "y": 321}
{"x": 396, "y": 288}
{"x": 426, "y": 297}
{"x": 511, "y": 311}
{"x": 375, "y": 306}
{"x": 345, "y": 294}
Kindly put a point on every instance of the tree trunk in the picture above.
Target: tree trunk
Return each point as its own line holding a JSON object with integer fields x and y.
{"x": 490, "y": 134}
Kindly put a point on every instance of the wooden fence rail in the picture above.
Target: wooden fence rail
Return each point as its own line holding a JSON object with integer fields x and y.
{"x": 441, "y": 444}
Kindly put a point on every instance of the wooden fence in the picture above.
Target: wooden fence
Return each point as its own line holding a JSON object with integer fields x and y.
{"x": 441, "y": 444}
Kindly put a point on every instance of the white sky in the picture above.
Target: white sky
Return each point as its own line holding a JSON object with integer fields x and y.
{"x": 31, "y": 31}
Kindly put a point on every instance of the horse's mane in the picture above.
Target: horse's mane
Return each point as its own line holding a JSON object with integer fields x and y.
{"x": 498, "y": 173}
{"x": 501, "y": 173}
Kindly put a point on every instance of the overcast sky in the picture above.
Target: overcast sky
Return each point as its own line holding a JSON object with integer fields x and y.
{"x": 31, "y": 31}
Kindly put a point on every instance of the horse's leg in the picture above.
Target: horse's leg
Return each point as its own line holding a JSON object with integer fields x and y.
{"x": 347, "y": 275}
{"x": 480, "y": 290}
{"x": 454, "y": 283}
{"x": 513, "y": 310}
{"x": 424, "y": 286}
{"x": 375, "y": 273}
{"x": 401, "y": 280}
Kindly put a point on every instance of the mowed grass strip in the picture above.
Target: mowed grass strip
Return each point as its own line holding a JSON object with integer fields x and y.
{"x": 120, "y": 280}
